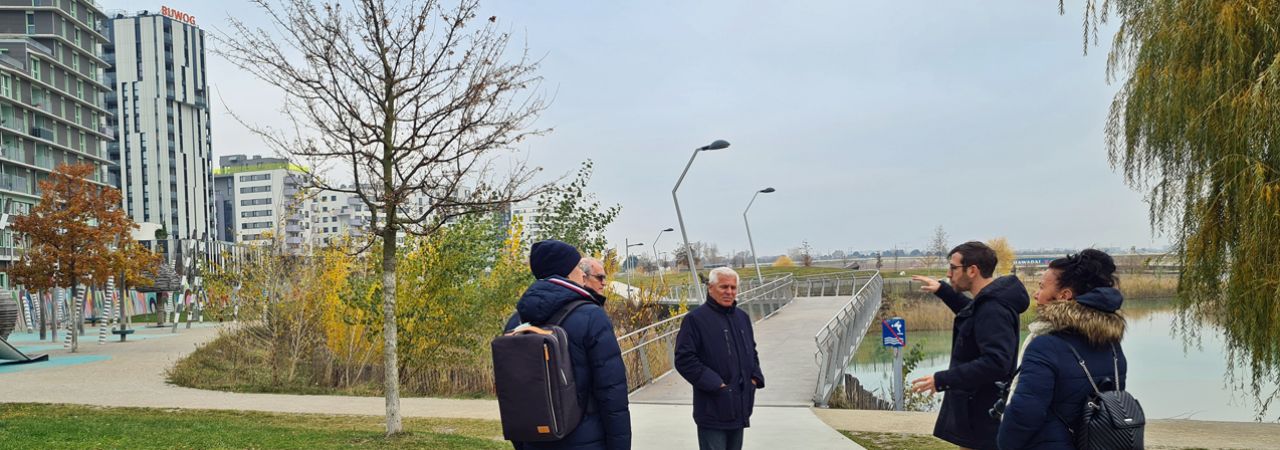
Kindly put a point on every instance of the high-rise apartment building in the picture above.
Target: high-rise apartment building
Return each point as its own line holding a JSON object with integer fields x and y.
{"x": 52, "y": 110}
{"x": 161, "y": 115}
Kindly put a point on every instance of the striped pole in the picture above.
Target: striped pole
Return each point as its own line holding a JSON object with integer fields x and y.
{"x": 77, "y": 317}
{"x": 105, "y": 321}
{"x": 25, "y": 299}
{"x": 62, "y": 318}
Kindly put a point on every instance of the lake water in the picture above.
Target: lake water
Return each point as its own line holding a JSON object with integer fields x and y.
{"x": 1171, "y": 379}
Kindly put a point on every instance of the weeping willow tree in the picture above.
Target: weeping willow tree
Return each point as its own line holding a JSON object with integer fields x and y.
{"x": 1196, "y": 125}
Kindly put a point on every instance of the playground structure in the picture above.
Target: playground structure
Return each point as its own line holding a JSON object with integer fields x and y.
{"x": 178, "y": 290}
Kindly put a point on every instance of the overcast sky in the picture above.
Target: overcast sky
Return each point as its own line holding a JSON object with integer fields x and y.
{"x": 875, "y": 121}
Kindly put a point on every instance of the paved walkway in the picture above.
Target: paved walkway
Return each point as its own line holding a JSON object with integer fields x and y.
{"x": 132, "y": 374}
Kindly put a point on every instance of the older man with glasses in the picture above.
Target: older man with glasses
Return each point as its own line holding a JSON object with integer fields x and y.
{"x": 595, "y": 277}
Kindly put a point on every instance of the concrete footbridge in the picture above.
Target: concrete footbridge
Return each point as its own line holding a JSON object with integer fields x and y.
{"x": 806, "y": 329}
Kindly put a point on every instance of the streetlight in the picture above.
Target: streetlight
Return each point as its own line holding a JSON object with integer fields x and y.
{"x": 626, "y": 259}
{"x": 655, "y": 254}
{"x": 767, "y": 190}
{"x": 693, "y": 271}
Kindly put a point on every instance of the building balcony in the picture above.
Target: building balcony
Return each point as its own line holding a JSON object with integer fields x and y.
{"x": 43, "y": 133}
{"x": 15, "y": 183}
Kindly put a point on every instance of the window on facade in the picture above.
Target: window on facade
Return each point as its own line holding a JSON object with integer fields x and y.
{"x": 35, "y": 67}
{"x": 6, "y": 85}
{"x": 84, "y": 140}
{"x": 77, "y": 115}
{"x": 253, "y": 189}
{"x": 31, "y": 21}
{"x": 261, "y": 177}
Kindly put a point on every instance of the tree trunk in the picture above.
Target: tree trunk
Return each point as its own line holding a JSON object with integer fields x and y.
{"x": 76, "y": 318}
{"x": 40, "y": 305}
{"x": 391, "y": 376}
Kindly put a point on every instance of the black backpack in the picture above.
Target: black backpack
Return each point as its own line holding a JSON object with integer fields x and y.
{"x": 1110, "y": 420}
{"x": 533, "y": 374}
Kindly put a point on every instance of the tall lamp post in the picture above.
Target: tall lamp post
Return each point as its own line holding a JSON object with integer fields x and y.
{"x": 767, "y": 190}
{"x": 655, "y": 254}
{"x": 627, "y": 259}
{"x": 693, "y": 270}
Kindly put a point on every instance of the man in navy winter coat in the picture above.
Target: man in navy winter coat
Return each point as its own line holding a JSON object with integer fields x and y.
{"x": 716, "y": 353}
{"x": 593, "y": 349}
{"x": 984, "y": 347}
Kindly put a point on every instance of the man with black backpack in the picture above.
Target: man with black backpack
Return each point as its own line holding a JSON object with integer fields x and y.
{"x": 558, "y": 369}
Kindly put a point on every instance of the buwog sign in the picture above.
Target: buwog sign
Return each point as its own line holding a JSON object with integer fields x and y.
{"x": 177, "y": 15}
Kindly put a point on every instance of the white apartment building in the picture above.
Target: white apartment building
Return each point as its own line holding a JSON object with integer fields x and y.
{"x": 259, "y": 198}
{"x": 334, "y": 215}
{"x": 161, "y": 113}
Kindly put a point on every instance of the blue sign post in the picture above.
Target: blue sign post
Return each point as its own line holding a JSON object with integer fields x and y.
{"x": 893, "y": 333}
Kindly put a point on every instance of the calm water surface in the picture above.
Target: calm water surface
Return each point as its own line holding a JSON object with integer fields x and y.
{"x": 1170, "y": 378}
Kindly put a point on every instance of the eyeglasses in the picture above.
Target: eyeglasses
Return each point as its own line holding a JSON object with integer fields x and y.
{"x": 599, "y": 278}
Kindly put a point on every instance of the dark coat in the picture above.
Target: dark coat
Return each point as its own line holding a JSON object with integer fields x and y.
{"x": 716, "y": 345}
{"x": 1052, "y": 388}
{"x": 597, "y": 367}
{"x": 984, "y": 350}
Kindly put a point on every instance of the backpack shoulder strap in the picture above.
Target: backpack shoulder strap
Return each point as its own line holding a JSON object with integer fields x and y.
{"x": 1087, "y": 375}
{"x": 558, "y": 318}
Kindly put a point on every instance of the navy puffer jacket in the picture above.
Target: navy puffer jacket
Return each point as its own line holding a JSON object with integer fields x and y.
{"x": 597, "y": 367}
{"x": 1052, "y": 388}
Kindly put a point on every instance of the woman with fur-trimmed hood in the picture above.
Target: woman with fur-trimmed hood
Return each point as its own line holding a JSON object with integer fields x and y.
{"x": 1077, "y": 307}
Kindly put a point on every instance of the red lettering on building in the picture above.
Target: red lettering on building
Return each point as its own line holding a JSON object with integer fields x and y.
{"x": 177, "y": 15}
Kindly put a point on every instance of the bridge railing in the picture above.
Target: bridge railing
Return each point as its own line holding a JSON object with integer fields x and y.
{"x": 649, "y": 352}
{"x": 746, "y": 283}
{"x": 832, "y": 284}
{"x": 838, "y": 340}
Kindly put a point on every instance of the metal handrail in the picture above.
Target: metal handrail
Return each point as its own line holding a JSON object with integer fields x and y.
{"x": 838, "y": 340}
{"x": 831, "y": 284}
{"x": 654, "y": 355}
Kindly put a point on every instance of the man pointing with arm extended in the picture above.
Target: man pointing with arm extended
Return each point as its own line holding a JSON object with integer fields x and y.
{"x": 984, "y": 346}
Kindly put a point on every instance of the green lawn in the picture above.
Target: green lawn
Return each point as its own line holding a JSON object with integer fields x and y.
{"x": 83, "y": 427}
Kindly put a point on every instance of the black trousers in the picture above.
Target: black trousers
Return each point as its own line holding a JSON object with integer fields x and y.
{"x": 713, "y": 439}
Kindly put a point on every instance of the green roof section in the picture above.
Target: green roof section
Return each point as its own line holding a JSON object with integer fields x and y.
{"x": 259, "y": 168}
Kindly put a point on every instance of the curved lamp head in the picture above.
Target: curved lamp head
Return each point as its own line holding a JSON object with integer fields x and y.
{"x": 668, "y": 229}
{"x": 767, "y": 190}
{"x": 635, "y": 244}
{"x": 717, "y": 145}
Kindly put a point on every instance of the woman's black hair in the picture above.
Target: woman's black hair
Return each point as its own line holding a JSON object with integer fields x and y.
{"x": 1082, "y": 272}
